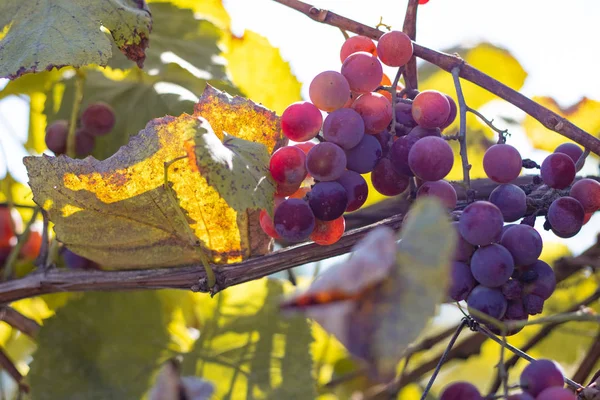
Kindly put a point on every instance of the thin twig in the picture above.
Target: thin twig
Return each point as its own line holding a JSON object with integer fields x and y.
{"x": 501, "y": 133}
{"x": 462, "y": 133}
{"x": 18, "y": 321}
{"x": 410, "y": 28}
{"x": 589, "y": 361}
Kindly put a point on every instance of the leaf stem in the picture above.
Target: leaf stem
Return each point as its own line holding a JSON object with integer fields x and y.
{"x": 79, "y": 81}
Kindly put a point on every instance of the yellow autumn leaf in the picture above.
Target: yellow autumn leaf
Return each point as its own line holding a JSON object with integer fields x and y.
{"x": 585, "y": 114}
{"x": 211, "y": 10}
{"x": 119, "y": 212}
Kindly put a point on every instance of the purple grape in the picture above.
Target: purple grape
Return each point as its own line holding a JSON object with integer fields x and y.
{"x": 570, "y": 149}
{"x": 502, "y": 163}
{"x": 481, "y": 223}
{"x": 294, "y": 221}
{"x": 520, "y": 396}
{"x": 419, "y": 132}
{"x": 363, "y": 157}
{"x": 56, "y": 136}
{"x": 328, "y": 200}
{"x": 516, "y": 311}
{"x": 399, "y": 154}
{"x": 384, "y": 140}
{"x": 443, "y": 190}
{"x": 556, "y": 393}
{"x": 524, "y": 243}
{"x": 558, "y": 170}
{"x": 75, "y": 261}
{"x": 84, "y": 142}
{"x": 431, "y": 158}
{"x": 461, "y": 281}
{"x": 540, "y": 375}
{"x": 545, "y": 281}
{"x": 344, "y": 127}
{"x": 461, "y": 391}
{"x": 404, "y": 115}
{"x": 386, "y": 180}
{"x": 356, "y": 188}
{"x": 533, "y": 304}
{"x": 565, "y": 216}
{"x": 464, "y": 250}
{"x": 326, "y": 161}
{"x": 492, "y": 265}
{"x": 511, "y": 200}
{"x": 512, "y": 290}
{"x": 487, "y": 300}
{"x": 453, "y": 113}
{"x": 98, "y": 119}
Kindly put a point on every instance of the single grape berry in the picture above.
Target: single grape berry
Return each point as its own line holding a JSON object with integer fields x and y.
{"x": 344, "y": 127}
{"x": 511, "y": 200}
{"x": 524, "y": 244}
{"x": 556, "y": 393}
{"x": 84, "y": 142}
{"x": 480, "y": 223}
{"x": 587, "y": 192}
{"x": 423, "y": 1}
{"x": 326, "y": 161}
{"x": 443, "y": 190}
{"x": 384, "y": 138}
{"x": 294, "y": 220}
{"x": 431, "y": 158}
{"x": 565, "y": 216}
{"x": 545, "y": 281}
{"x": 375, "y": 110}
{"x": 328, "y": 200}
{"x": 558, "y": 170}
{"x": 386, "y": 180}
{"x": 301, "y": 121}
{"x": 453, "y": 113}
{"x": 431, "y": 109}
{"x": 98, "y": 119}
{"x": 288, "y": 166}
{"x": 461, "y": 391}
{"x": 502, "y": 163}
{"x": 489, "y": 301}
{"x": 464, "y": 250}
{"x": 56, "y": 136}
{"x": 355, "y": 44}
{"x": 363, "y": 71}
{"x": 363, "y": 157}
{"x": 572, "y": 150}
{"x": 329, "y": 91}
{"x": 399, "y": 154}
{"x": 492, "y": 265}
{"x": 394, "y": 48}
{"x": 461, "y": 281}
{"x": 540, "y": 375}
{"x": 328, "y": 232}
{"x": 356, "y": 188}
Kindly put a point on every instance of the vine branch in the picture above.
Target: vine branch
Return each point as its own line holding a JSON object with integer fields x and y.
{"x": 447, "y": 62}
{"x": 410, "y": 28}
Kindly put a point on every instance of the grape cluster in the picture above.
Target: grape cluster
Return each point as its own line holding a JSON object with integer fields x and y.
{"x": 97, "y": 119}
{"x": 540, "y": 380}
{"x": 351, "y": 116}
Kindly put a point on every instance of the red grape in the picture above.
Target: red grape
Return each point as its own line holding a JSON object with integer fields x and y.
{"x": 329, "y": 91}
{"x": 480, "y": 223}
{"x": 364, "y": 156}
{"x": 460, "y": 390}
{"x": 394, "y": 48}
{"x": 355, "y": 44}
{"x": 565, "y": 216}
{"x": 440, "y": 189}
{"x": 328, "y": 232}
{"x": 587, "y": 218}
{"x": 363, "y": 72}
{"x": 288, "y": 166}
{"x": 386, "y": 180}
{"x": 570, "y": 149}
{"x": 326, "y": 161}
{"x": 356, "y": 188}
{"x": 294, "y": 220}
{"x": 487, "y": 300}
{"x": 98, "y": 119}
{"x": 344, "y": 127}
{"x": 423, "y": 1}
{"x": 587, "y": 192}
{"x": 7, "y": 232}
{"x": 524, "y": 243}
{"x": 32, "y": 246}
{"x": 556, "y": 393}
{"x": 540, "y": 375}
{"x": 266, "y": 223}
{"x": 375, "y": 110}
{"x": 461, "y": 281}
{"x": 431, "y": 158}
{"x": 511, "y": 200}
{"x": 431, "y": 109}
{"x": 56, "y": 136}
{"x": 328, "y": 200}
{"x": 558, "y": 170}
{"x": 492, "y": 265}
{"x": 301, "y": 121}
{"x": 502, "y": 163}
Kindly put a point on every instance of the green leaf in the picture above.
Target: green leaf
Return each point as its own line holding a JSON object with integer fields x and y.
{"x": 249, "y": 351}
{"x": 102, "y": 346}
{"x": 47, "y": 34}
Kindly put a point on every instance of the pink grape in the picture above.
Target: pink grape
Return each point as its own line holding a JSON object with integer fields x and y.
{"x": 431, "y": 109}
{"x": 431, "y": 158}
{"x": 301, "y": 121}
{"x": 394, "y": 48}
{"x": 326, "y": 162}
{"x": 587, "y": 192}
{"x": 386, "y": 180}
{"x": 502, "y": 163}
{"x": 355, "y": 44}
{"x": 287, "y": 166}
{"x": 375, "y": 110}
{"x": 363, "y": 71}
{"x": 344, "y": 127}
{"x": 565, "y": 216}
{"x": 440, "y": 189}
{"x": 558, "y": 170}
{"x": 329, "y": 91}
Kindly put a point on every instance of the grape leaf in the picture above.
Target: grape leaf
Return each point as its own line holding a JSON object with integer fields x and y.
{"x": 102, "y": 346}
{"x": 249, "y": 351}
{"x": 47, "y": 34}
{"x": 119, "y": 213}
{"x": 387, "y": 291}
